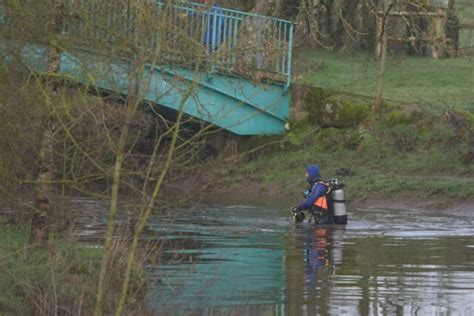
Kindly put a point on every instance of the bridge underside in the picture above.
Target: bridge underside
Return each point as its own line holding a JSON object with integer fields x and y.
{"x": 229, "y": 102}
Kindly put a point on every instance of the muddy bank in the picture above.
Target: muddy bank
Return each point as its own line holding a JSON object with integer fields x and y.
{"x": 273, "y": 194}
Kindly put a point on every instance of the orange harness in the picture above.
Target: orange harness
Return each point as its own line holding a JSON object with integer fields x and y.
{"x": 322, "y": 201}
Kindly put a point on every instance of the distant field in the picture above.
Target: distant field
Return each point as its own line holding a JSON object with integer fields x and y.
{"x": 408, "y": 79}
{"x": 465, "y": 11}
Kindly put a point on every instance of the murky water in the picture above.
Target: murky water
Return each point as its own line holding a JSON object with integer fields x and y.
{"x": 254, "y": 260}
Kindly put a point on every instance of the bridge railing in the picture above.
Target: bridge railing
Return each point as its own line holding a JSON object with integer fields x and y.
{"x": 184, "y": 33}
{"x": 243, "y": 42}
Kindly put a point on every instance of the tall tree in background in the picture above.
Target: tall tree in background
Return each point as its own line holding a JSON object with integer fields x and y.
{"x": 381, "y": 50}
{"x": 40, "y": 22}
{"x": 42, "y": 207}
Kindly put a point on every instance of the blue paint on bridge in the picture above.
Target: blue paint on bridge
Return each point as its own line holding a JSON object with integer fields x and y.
{"x": 252, "y": 103}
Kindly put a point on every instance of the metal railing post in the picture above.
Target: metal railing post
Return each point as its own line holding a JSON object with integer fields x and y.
{"x": 290, "y": 56}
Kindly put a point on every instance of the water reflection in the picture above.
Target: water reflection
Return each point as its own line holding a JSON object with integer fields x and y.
{"x": 255, "y": 260}
{"x": 313, "y": 254}
{"x": 237, "y": 263}
{"x": 417, "y": 264}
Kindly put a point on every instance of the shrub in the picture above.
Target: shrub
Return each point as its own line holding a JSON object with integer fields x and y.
{"x": 301, "y": 135}
{"x": 35, "y": 281}
{"x": 338, "y": 111}
{"x": 314, "y": 99}
{"x": 470, "y": 119}
{"x": 371, "y": 147}
{"x": 332, "y": 139}
{"x": 403, "y": 137}
{"x": 441, "y": 134}
{"x": 404, "y": 116}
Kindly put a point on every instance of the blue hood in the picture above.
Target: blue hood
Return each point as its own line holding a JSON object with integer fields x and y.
{"x": 313, "y": 173}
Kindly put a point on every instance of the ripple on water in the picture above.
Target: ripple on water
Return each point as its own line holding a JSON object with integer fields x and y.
{"x": 245, "y": 259}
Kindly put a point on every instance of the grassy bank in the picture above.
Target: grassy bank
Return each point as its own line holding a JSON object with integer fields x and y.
{"x": 408, "y": 79}
{"x": 378, "y": 173}
{"x": 61, "y": 279}
{"x": 403, "y": 153}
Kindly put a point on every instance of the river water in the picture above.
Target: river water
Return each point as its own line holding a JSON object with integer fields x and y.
{"x": 236, "y": 259}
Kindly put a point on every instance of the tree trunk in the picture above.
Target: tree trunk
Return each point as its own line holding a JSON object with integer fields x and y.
{"x": 39, "y": 223}
{"x": 382, "y": 68}
{"x": 261, "y": 7}
{"x": 277, "y": 8}
{"x": 452, "y": 30}
{"x": 378, "y": 37}
{"x": 42, "y": 207}
{"x": 451, "y": 4}
{"x": 438, "y": 36}
{"x": 382, "y": 43}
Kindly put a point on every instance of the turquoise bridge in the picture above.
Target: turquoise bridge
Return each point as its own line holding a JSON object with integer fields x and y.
{"x": 238, "y": 64}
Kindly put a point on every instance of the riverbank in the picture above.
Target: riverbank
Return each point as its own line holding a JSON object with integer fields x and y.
{"x": 406, "y": 156}
{"x": 60, "y": 279}
{"x": 276, "y": 195}
{"x": 417, "y": 151}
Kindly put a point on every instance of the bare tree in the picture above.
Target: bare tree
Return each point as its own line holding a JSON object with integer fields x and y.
{"x": 381, "y": 52}
{"x": 23, "y": 21}
{"x": 93, "y": 107}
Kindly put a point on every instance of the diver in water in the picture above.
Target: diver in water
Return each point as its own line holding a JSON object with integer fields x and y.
{"x": 317, "y": 201}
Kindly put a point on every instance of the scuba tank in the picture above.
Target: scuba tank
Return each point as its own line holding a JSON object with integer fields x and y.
{"x": 339, "y": 202}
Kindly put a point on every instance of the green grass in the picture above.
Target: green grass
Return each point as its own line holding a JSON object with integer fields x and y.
{"x": 62, "y": 273}
{"x": 382, "y": 162}
{"x": 408, "y": 79}
{"x": 27, "y": 273}
{"x": 398, "y": 175}
{"x": 465, "y": 11}
{"x": 420, "y": 154}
